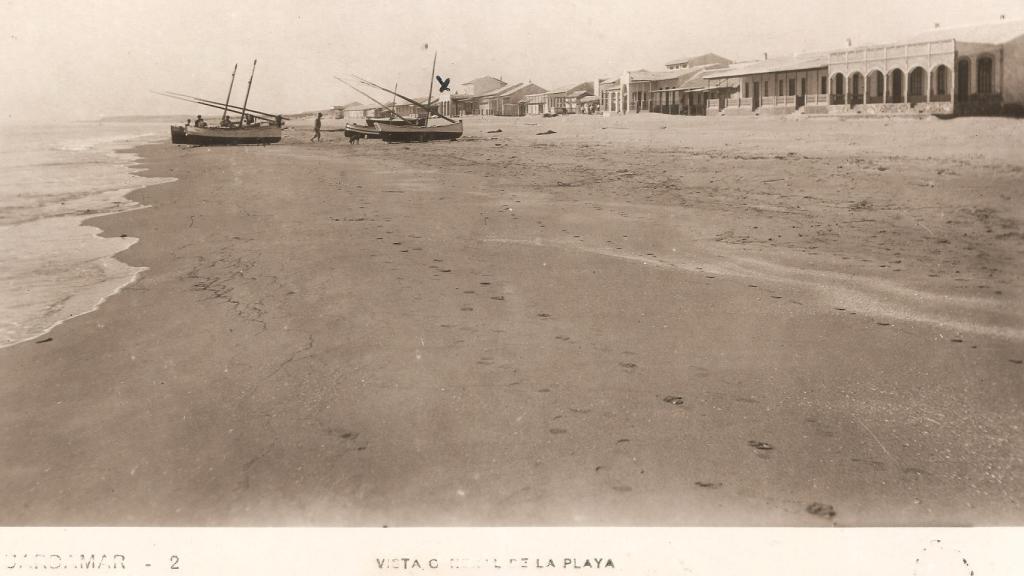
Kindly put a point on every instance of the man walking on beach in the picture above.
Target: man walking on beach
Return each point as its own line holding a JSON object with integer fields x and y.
{"x": 316, "y": 128}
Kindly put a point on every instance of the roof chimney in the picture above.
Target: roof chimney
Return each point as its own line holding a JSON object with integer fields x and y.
{"x": 936, "y": 24}
{"x": 1002, "y": 16}
{"x": 849, "y": 42}
{"x": 765, "y": 55}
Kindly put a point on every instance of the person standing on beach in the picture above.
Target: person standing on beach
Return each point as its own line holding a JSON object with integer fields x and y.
{"x": 316, "y": 128}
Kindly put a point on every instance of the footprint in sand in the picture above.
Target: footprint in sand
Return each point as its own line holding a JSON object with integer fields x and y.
{"x": 760, "y": 445}
{"x": 557, "y": 430}
{"x": 819, "y": 509}
{"x": 712, "y": 485}
{"x": 674, "y": 400}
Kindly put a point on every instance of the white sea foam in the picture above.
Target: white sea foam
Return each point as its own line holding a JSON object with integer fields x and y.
{"x": 51, "y": 267}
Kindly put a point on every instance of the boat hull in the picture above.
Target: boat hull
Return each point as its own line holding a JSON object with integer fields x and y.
{"x": 217, "y": 136}
{"x": 390, "y": 133}
{"x": 353, "y": 131}
{"x": 373, "y": 122}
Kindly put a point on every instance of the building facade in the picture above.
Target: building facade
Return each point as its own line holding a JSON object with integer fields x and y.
{"x": 679, "y": 89}
{"x": 465, "y": 98}
{"x": 957, "y": 71}
{"x": 779, "y": 85}
{"x": 508, "y": 100}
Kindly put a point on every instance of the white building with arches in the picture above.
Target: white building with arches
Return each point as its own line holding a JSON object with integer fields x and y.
{"x": 965, "y": 70}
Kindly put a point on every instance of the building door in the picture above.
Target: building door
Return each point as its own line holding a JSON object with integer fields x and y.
{"x": 755, "y": 99}
{"x": 963, "y": 79}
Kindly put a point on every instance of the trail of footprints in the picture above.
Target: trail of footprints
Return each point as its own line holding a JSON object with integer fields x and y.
{"x": 485, "y": 288}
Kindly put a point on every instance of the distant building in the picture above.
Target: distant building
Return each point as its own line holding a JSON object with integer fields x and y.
{"x": 678, "y": 90}
{"x": 464, "y": 98}
{"x": 339, "y": 111}
{"x": 779, "y": 85}
{"x": 478, "y": 86}
{"x": 356, "y": 111}
{"x": 956, "y": 71}
{"x": 696, "y": 61}
{"x": 507, "y": 100}
{"x": 964, "y": 70}
{"x": 535, "y": 104}
{"x": 565, "y": 100}
{"x": 407, "y": 110}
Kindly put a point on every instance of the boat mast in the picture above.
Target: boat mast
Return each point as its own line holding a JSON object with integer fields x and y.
{"x": 406, "y": 98}
{"x": 246, "y": 102}
{"x": 228, "y": 99}
{"x": 430, "y": 92}
{"x": 394, "y": 99}
{"x": 378, "y": 102}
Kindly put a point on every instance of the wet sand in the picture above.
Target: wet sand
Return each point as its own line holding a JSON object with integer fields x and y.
{"x": 632, "y": 321}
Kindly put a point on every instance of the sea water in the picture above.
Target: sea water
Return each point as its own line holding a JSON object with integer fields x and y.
{"x": 52, "y": 178}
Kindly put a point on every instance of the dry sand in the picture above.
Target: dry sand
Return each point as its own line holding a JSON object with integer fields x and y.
{"x": 634, "y": 321}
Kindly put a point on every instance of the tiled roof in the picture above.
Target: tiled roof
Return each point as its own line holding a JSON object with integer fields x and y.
{"x": 788, "y": 64}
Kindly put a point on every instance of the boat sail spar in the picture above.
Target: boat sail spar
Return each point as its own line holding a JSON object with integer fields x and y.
{"x": 253, "y": 127}
{"x": 407, "y": 131}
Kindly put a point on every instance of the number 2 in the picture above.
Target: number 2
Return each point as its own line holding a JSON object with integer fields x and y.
{"x": 174, "y": 562}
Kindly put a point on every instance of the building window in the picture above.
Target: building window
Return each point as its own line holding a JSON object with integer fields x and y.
{"x": 746, "y": 89}
{"x": 916, "y": 85}
{"x": 792, "y": 86}
{"x": 984, "y": 75}
{"x": 824, "y": 85}
{"x": 803, "y": 86}
{"x": 781, "y": 93}
{"x": 940, "y": 80}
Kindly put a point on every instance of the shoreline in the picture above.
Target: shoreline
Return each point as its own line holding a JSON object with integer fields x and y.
{"x": 456, "y": 334}
{"x": 74, "y": 226}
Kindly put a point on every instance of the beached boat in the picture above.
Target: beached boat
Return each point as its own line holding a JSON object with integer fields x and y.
{"x": 421, "y": 121}
{"x": 255, "y": 127}
{"x": 411, "y": 131}
{"x": 399, "y": 133}
{"x": 224, "y": 136}
{"x": 361, "y": 131}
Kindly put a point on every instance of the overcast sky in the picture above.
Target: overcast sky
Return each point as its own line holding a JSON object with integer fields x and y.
{"x": 64, "y": 60}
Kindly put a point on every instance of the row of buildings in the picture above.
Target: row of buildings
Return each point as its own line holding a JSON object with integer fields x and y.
{"x": 489, "y": 96}
{"x": 947, "y": 71}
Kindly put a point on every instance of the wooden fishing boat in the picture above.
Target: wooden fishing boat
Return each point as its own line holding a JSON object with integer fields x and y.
{"x": 361, "y": 131}
{"x": 224, "y": 136}
{"x": 410, "y": 130}
{"x": 399, "y": 133}
{"x": 420, "y": 121}
{"x": 255, "y": 127}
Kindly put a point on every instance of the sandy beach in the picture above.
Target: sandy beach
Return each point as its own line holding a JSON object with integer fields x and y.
{"x": 644, "y": 320}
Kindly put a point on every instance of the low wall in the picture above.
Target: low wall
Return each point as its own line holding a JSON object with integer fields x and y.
{"x": 777, "y": 109}
{"x": 736, "y": 111}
